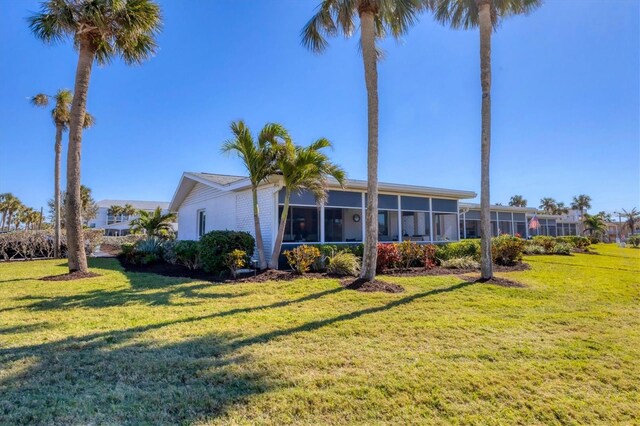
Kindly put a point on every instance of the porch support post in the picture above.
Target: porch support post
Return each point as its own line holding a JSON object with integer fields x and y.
{"x": 430, "y": 219}
{"x": 399, "y": 219}
{"x": 464, "y": 225}
{"x": 362, "y": 218}
{"x": 322, "y": 223}
{"x": 458, "y": 221}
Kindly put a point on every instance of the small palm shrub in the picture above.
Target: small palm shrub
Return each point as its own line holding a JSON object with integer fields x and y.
{"x": 388, "y": 257}
{"x": 459, "y": 249}
{"x": 410, "y": 254}
{"x": 507, "y": 249}
{"x": 326, "y": 251}
{"x": 562, "y": 248}
{"x": 235, "y": 260}
{"x": 148, "y": 250}
{"x": 634, "y": 240}
{"x": 215, "y": 245}
{"x": 466, "y": 262}
{"x": 343, "y": 263}
{"x": 301, "y": 258}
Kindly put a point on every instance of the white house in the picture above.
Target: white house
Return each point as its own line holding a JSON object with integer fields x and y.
{"x": 120, "y": 224}
{"x": 206, "y": 202}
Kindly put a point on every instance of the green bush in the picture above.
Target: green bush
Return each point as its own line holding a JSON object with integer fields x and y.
{"x": 634, "y": 240}
{"x": 410, "y": 254}
{"x": 215, "y": 245}
{"x": 466, "y": 262}
{"x": 576, "y": 241}
{"x": 458, "y": 249}
{"x": 506, "y": 249}
{"x": 548, "y": 243}
{"x": 343, "y": 263}
{"x": 532, "y": 248}
{"x": 187, "y": 253}
{"x": 562, "y": 248}
{"x": 326, "y": 251}
{"x": 302, "y": 257}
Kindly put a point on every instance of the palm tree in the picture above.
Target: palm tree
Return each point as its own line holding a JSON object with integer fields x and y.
{"x": 633, "y": 219}
{"x": 485, "y": 14}
{"x": 560, "y": 209}
{"x": 60, "y": 114}
{"x": 89, "y": 209}
{"x": 11, "y": 207}
{"x": 154, "y": 223}
{"x": 258, "y": 159}
{"x": 302, "y": 168}
{"x": 518, "y": 201}
{"x": 548, "y": 204}
{"x": 100, "y": 30}
{"x": 581, "y": 203}
{"x": 114, "y": 211}
{"x": 377, "y": 18}
{"x": 128, "y": 210}
{"x": 594, "y": 224}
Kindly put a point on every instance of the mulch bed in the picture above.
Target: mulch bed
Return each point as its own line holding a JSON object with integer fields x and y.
{"x": 360, "y": 284}
{"x": 70, "y": 276}
{"x": 502, "y": 282}
{"x": 439, "y": 270}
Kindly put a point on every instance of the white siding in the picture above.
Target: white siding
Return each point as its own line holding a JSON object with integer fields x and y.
{"x": 227, "y": 210}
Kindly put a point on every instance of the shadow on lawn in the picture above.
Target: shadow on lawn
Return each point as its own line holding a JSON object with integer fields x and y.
{"x": 122, "y": 377}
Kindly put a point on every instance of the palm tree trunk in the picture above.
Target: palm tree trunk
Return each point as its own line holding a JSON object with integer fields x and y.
{"x": 262, "y": 261}
{"x": 369, "y": 56}
{"x": 283, "y": 221}
{"x": 56, "y": 192}
{"x": 73, "y": 203}
{"x": 484, "y": 12}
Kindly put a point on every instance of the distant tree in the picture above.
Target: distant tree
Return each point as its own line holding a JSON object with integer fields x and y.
{"x": 100, "y": 30}
{"x": 114, "y": 211}
{"x": 548, "y": 204}
{"x": 518, "y": 201}
{"x": 594, "y": 225}
{"x": 88, "y": 204}
{"x": 60, "y": 114}
{"x": 582, "y": 203}
{"x": 302, "y": 168}
{"x": 257, "y": 156}
{"x": 560, "y": 209}
{"x": 9, "y": 205}
{"x": 606, "y": 216}
{"x": 632, "y": 219}
{"x": 154, "y": 223}
{"x": 128, "y": 210}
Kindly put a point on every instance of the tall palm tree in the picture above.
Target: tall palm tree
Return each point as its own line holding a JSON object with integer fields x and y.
{"x": 486, "y": 15}
{"x": 257, "y": 156}
{"x": 377, "y": 18}
{"x": 154, "y": 223}
{"x": 11, "y": 208}
{"x": 548, "y": 204}
{"x": 518, "y": 201}
{"x": 60, "y": 114}
{"x": 633, "y": 219}
{"x": 4, "y": 207}
{"x": 302, "y": 168}
{"x": 594, "y": 224}
{"x": 581, "y": 203}
{"x": 100, "y": 30}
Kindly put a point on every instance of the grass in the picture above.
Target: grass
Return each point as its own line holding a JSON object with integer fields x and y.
{"x": 139, "y": 348}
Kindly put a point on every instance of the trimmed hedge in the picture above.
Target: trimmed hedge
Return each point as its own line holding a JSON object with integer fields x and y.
{"x": 215, "y": 245}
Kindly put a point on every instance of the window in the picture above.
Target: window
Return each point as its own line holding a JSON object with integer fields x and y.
{"x": 445, "y": 226}
{"x": 342, "y": 225}
{"x": 521, "y": 229}
{"x": 383, "y": 223}
{"x": 303, "y": 225}
{"x": 504, "y": 227}
{"x": 473, "y": 228}
{"x": 415, "y": 226}
{"x": 202, "y": 222}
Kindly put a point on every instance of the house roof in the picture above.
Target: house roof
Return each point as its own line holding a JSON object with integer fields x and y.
{"x": 497, "y": 207}
{"x": 138, "y": 204}
{"x": 234, "y": 183}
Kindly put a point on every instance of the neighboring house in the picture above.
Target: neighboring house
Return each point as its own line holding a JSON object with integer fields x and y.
{"x": 206, "y": 202}
{"x": 121, "y": 224}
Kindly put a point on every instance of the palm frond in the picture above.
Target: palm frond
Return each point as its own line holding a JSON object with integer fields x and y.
{"x": 40, "y": 100}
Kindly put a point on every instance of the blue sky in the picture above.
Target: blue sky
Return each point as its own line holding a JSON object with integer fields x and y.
{"x": 566, "y": 101}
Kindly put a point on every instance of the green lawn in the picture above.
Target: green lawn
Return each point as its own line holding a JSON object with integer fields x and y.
{"x": 140, "y": 348}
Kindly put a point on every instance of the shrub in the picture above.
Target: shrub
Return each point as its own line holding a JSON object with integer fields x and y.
{"x": 357, "y": 249}
{"x": 548, "y": 243}
{"x": 410, "y": 254}
{"x": 562, "y": 248}
{"x": 533, "y": 248}
{"x": 343, "y": 263}
{"x": 576, "y": 241}
{"x": 326, "y": 251}
{"x": 506, "y": 249}
{"x": 235, "y": 260}
{"x": 128, "y": 251}
{"x": 459, "y": 249}
{"x": 214, "y": 245}
{"x": 388, "y": 257}
{"x": 187, "y": 253}
{"x": 302, "y": 257}
{"x": 148, "y": 250}
{"x": 466, "y": 262}
{"x": 429, "y": 256}
{"x": 634, "y": 240}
